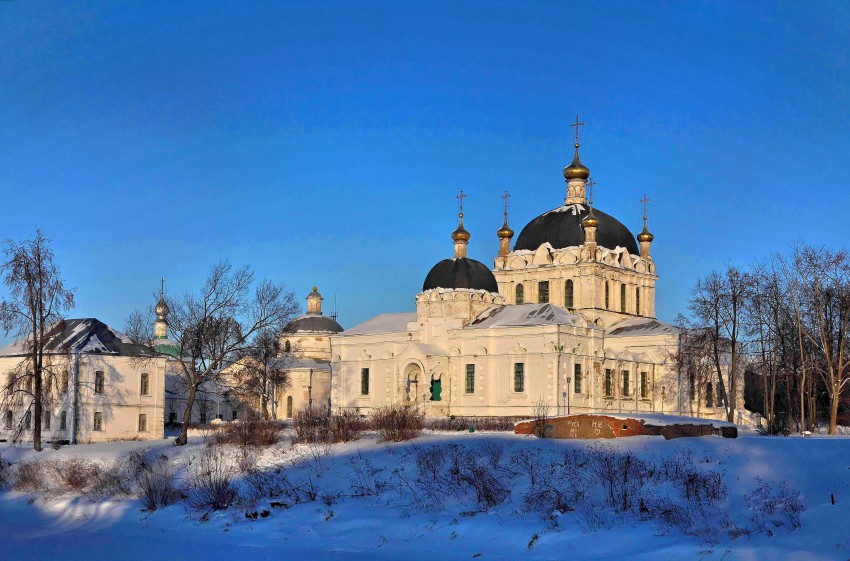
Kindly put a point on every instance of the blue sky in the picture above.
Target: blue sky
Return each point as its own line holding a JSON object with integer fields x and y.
{"x": 325, "y": 143}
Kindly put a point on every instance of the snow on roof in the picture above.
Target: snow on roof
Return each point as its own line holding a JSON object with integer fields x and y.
{"x": 308, "y": 363}
{"x": 84, "y": 335}
{"x": 430, "y": 350}
{"x": 384, "y": 323}
{"x": 524, "y": 315}
{"x": 642, "y": 326}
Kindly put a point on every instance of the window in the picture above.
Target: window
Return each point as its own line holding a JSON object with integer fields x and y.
{"x": 520, "y": 294}
{"x": 46, "y": 424}
{"x": 626, "y": 383}
{"x": 203, "y": 417}
{"x": 637, "y": 300}
{"x": 691, "y": 387}
{"x": 289, "y": 407}
{"x": 543, "y": 290}
{"x": 609, "y": 383}
{"x": 287, "y": 346}
{"x": 623, "y": 298}
{"x": 644, "y": 385}
{"x": 577, "y": 376}
{"x": 709, "y": 395}
{"x": 519, "y": 377}
{"x": 235, "y": 413}
{"x": 364, "y": 381}
{"x": 98, "y": 382}
{"x": 7, "y": 424}
{"x": 568, "y": 295}
{"x": 63, "y": 420}
{"x": 607, "y": 295}
{"x": 145, "y": 385}
{"x": 98, "y": 420}
{"x": 28, "y": 420}
{"x": 721, "y": 395}
{"x": 470, "y": 378}
{"x": 64, "y": 382}
{"x": 143, "y": 422}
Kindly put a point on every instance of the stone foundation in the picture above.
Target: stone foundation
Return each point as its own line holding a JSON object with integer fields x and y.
{"x": 603, "y": 426}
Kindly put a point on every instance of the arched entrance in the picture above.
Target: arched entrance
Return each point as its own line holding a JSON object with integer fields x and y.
{"x": 413, "y": 382}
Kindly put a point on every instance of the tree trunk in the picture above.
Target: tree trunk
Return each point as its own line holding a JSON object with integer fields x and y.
{"x": 36, "y": 426}
{"x": 833, "y": 409}
{"x": 187, "y": 417}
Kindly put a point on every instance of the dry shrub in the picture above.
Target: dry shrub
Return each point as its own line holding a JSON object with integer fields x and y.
{"x": 5, "y": 474}
{"x": 397, "y": 423}
{"x": 152, "y": 478}
{"x": 211, "y": 481}
{"x": 251, "y": 432}
{"x": 76, "y": 473}
{"x": 309, "y": 425}
{"x": 346, "y": 426}
{"x": 30, "y": 476}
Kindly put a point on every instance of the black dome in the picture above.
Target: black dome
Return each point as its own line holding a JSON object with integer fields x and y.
{"x": 461, "y": 273}
{"x": 562, "y": 228}
{"x": 313, "y": 323}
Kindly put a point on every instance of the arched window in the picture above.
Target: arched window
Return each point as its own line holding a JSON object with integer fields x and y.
{"x": 623, "y": 298}
{"x": 637, "y": 300}
{"x": 568, "y": 295}
{"x": 287, "y": 346}
{"x": 709, "y": 395}
{"x": 607, "y": 295}
{"x": 289, "y": 407}
{"x": 520, "y": 294}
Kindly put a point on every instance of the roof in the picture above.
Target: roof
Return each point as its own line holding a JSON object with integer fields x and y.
{"x": 313, "y": 323}
{"x": 561, "y": 227}
{"x": 308, "y": 363}
{"x": 460, "y": 272}
{"x": 524, "y": 315}
{"x": 84, "y": 335}
{"x": 640, "y": 327}
{"x": 384, "y": 323}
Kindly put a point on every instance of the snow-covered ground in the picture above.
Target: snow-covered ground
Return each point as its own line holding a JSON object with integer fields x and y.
{"x": 406, "y": 522}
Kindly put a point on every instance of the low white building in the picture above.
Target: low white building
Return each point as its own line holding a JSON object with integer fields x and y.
{"x": 99, "y": 386}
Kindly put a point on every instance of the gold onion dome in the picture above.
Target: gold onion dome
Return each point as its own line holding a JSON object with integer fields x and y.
{"x": 576, "y": 170}
{"x": 645, "y": 235}
{"x": 161, "y": 309}
{"x": 460, "y": 235}
{"x": 505, "y": 231}
{"x": 590, "y": 221}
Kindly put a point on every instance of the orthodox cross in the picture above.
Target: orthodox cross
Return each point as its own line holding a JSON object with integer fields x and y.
{"x": 589, "y": 188}
{"x": 162, "y": 287}
{"x": 643, "y": 202}
{"x": 506, "y": 196}
{"x": 576, "y": 125}
{"x": 460, "y": 199}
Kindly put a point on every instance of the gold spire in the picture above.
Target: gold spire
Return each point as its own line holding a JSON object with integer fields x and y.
{"x": 576, "y": 170}
{"x": 645, "y": 235}
{"x": 590, "y": 220}
{"x": 505, "y": 231}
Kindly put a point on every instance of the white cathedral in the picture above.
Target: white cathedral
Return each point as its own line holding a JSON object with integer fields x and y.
{"x": 565, "y": 318}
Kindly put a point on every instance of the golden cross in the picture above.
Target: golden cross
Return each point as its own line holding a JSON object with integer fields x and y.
{"x": 643, "y": 202}
{"x": 460, "y": 199}
{"x": 589, "y": 188}
{"x": 506, "y": 196}
{"x": 576, "y": 125}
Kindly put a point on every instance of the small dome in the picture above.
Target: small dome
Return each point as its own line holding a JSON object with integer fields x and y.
{"x": 590, "y": 221}
{"x": 312, "y": 324}
{"x": 461, "y": 272}
{"x": 461, "y": 235}
{"x": 505, "y": 231}
{"x": 161, "y": 309}
{"x": 576, "y": 170}
{"x": 645, "y": 235}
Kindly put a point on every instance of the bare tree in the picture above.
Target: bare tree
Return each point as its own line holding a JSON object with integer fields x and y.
{"x": 37, "y": 300}
{"x": 717, "y": 304}
{"x": 217, "y": 325}
{"x": 540, "y": 411}
{"x": 828, "y": 310}
{"x": 261, "y": 372}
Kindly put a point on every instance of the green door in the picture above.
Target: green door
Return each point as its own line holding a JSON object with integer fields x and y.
{"x": 436, "y": 390}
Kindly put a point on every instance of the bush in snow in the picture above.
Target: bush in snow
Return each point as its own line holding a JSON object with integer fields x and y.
{"x": 5, "y": 474}
{"x": 76, "y": 474}
{"x": 30, "y": 476}
{"x": 774, "y": 506}
{"x": 151, "y": 478}
{"x": 346, "y": 426}
{"x": 310, "y": 426}
{"x": 211, "y": 481}
{"x": 249, "y": 432}
{"x": 397, "y": 423}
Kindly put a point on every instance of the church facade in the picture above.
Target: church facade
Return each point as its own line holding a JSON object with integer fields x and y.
{"x": 564, "y": 321}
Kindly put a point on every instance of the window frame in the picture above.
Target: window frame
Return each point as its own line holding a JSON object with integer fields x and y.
{"x": 577, "y": 378}
{"x": 97, "y": 421}
{"x": 470, "y": 379}
{"x": 644, "y": 385}
{"x": 143, "y": 422}
{"x": 608, "y": 382}
{"x": 145, "y": 384}
{"x": 519, "y": 377}
{"x": 623, "y": 298}
{"x": 569, "y": 294}
{"x": 543, "y": 290}
{"x": 626, "y": 385}
{"x": 519, "y": 293}
{"x": 99, "y": 382}
{"x": 63, "y": 420}
{"x": 364, "y": 381}
{"x": 637, "y": 300}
